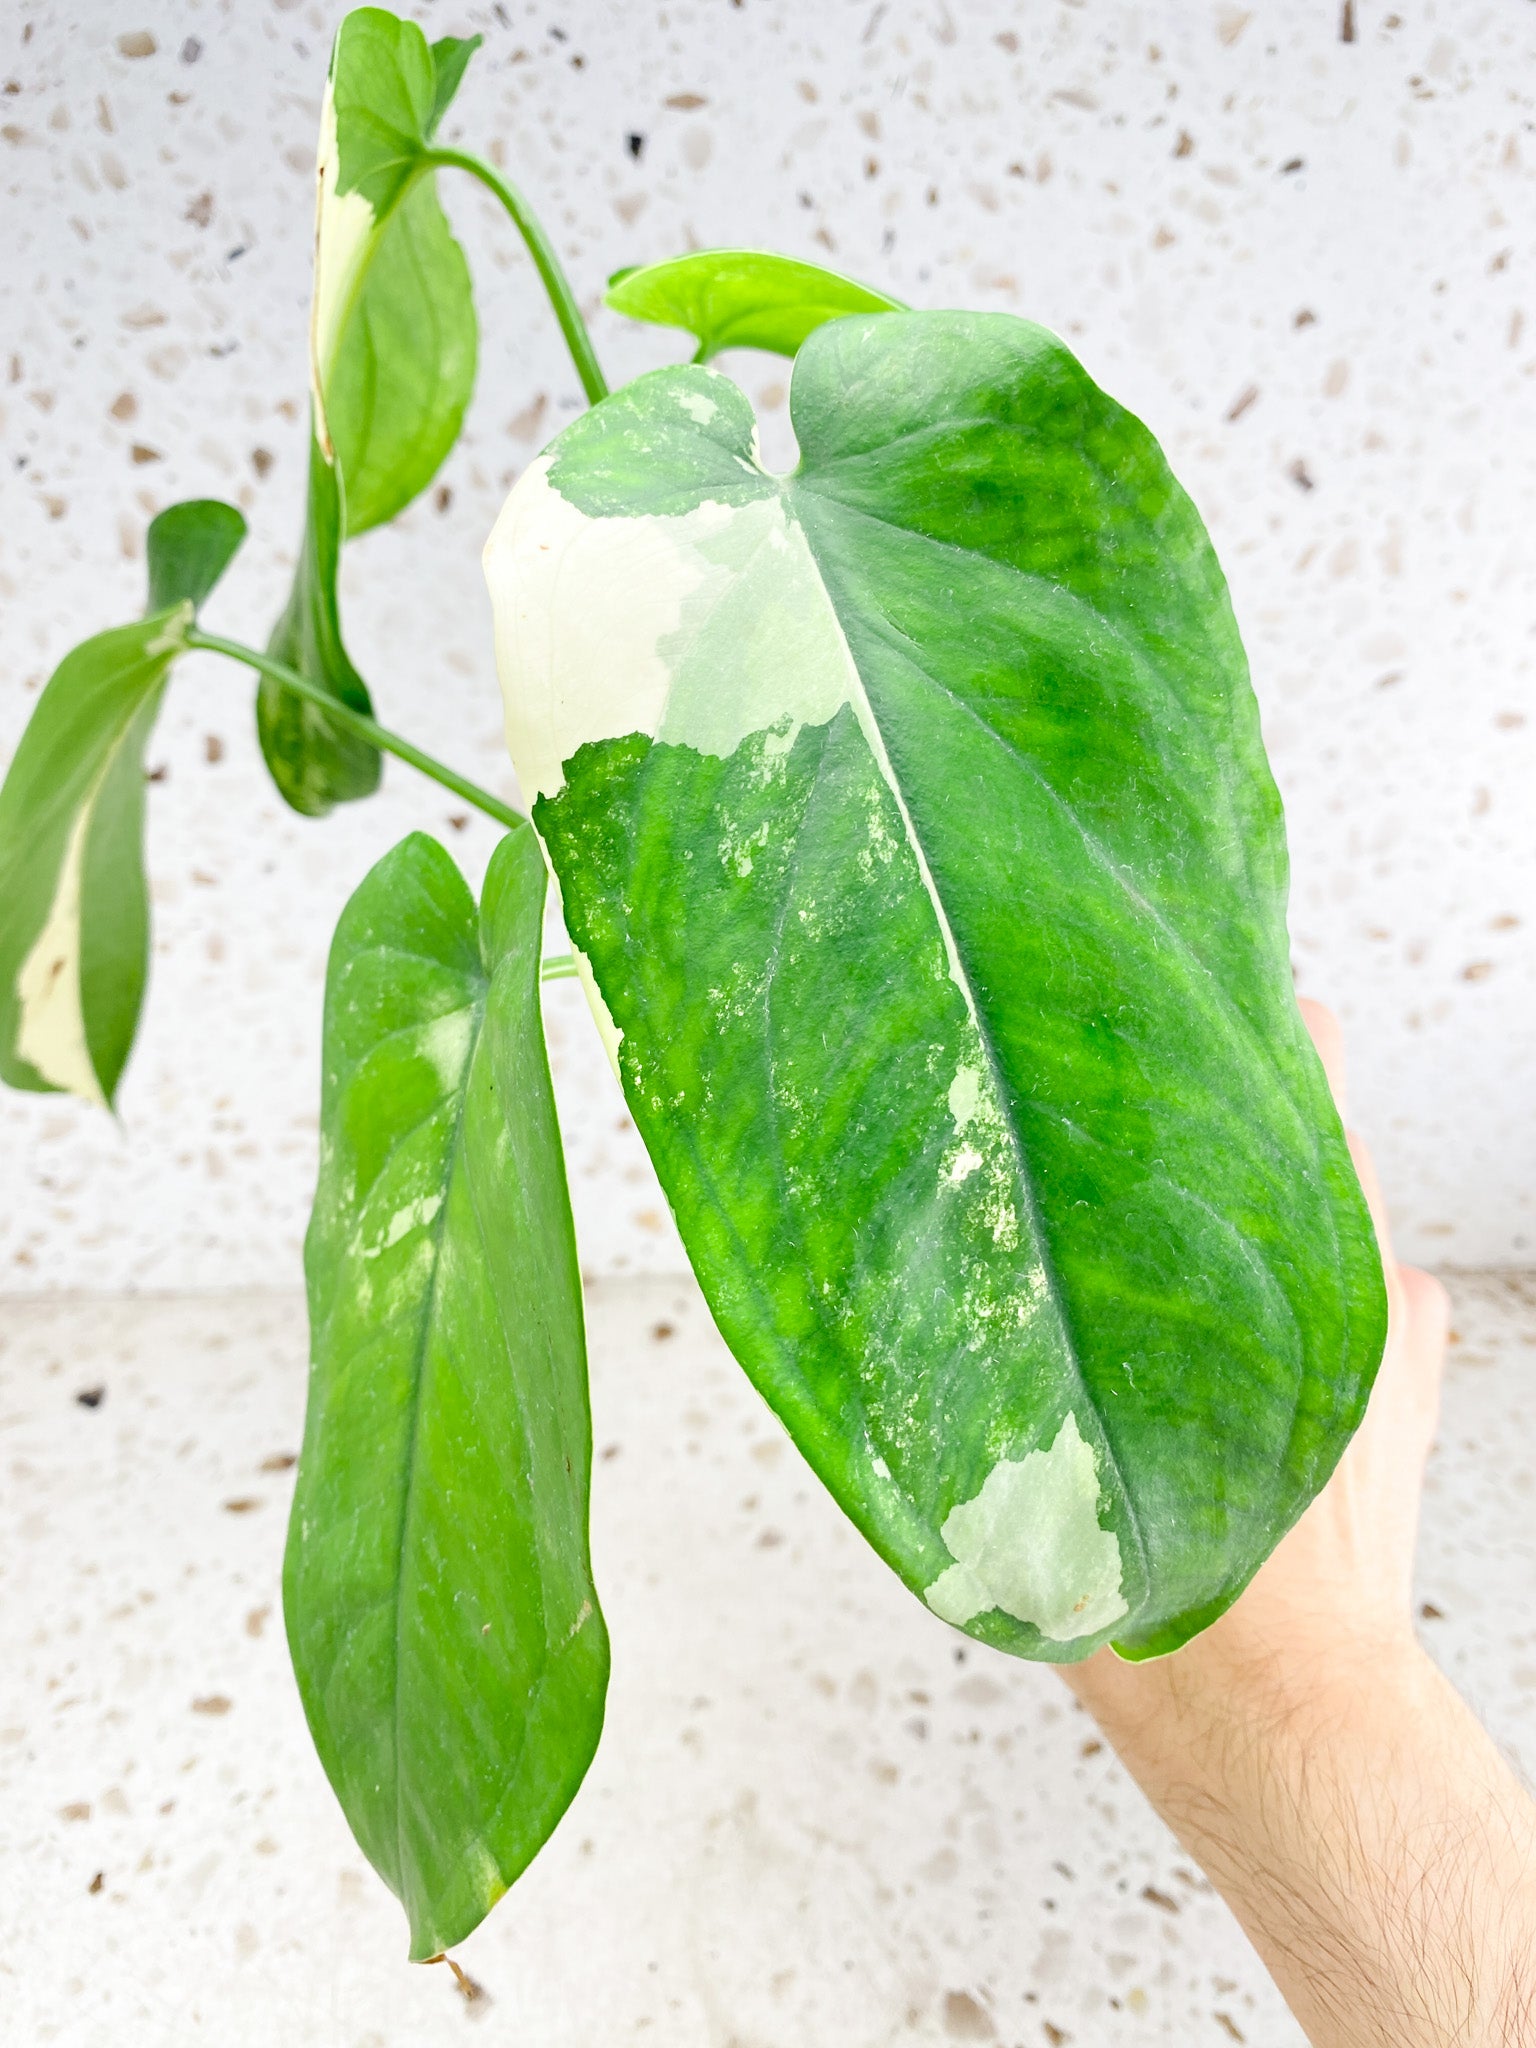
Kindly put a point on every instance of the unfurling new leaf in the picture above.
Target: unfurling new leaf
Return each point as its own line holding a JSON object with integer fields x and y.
{"x": 438, "y": 1589}
{"x": 742, "y": 298}
{"x": 912, "y": 816}
{"x": 392, "y": 342}
{"x": 74, "y": 904}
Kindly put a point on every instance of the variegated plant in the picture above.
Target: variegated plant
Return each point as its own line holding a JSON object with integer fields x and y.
{"x": 922, "y": 864}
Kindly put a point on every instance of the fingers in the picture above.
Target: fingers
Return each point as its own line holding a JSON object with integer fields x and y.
{"x": 1329, "y": 1040}
{"x": 1328, "y": 1037}
{"x": 1376, "y": 1201}
{"x": 1428, "y": 1312}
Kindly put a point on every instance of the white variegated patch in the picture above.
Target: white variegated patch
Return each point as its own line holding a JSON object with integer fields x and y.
{"x": 343, "y": 223}
{"x": 1030, "y": 1543}
{"x": 701, "y": 628}
{"x": 50, "y": 1031}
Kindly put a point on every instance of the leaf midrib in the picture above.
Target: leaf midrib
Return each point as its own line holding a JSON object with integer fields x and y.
{"x": 1022, "y": 1165}
{"x": 425, "y": 1324}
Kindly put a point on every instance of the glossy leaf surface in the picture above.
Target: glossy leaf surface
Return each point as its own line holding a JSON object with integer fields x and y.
{"x": 315, "y": 762}
{"x": 392, "y": 343}
{"x": 742, "y": 298}
{"x": 394, "y": 332}
{"x": 438, "y": 1590}
{"x": 912, "y": 815}
{"x": 187, "y": 549}
{"x": 74, "y": 901}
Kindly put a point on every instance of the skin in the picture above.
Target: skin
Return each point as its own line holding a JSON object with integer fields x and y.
{"x": 1377, "y": 1849}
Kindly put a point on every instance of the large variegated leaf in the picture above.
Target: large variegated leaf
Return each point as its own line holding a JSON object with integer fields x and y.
{"x": 741, "y": 298}
{"x": 74, "y": 902}
{"x": 911, "y": 814}
{"x": 441, "y": 1613}
{"x": 392, "y": 346}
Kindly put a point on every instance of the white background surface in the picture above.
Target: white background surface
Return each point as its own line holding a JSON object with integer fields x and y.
{"x": 1174, "y": 187}
{"x": 817, "y": 1818}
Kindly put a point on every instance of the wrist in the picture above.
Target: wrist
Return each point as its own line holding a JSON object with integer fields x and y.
{"x": 1192, "y": 1713}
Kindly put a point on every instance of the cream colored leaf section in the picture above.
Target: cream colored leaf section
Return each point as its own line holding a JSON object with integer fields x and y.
{"x": 343, "y": 223}
{"x": 51, "y": 1032}
{"x": 1030, "y": 1543}
{"x": 700, "y": 628}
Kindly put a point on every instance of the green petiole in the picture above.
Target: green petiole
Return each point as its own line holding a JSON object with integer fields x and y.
{"x": 547, "y": 263}
{"x": 359, "y": 722}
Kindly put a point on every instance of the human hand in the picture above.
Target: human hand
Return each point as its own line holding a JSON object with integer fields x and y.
{"x": 1342, "y": 1797}
{"x": 1337, "y": 1590}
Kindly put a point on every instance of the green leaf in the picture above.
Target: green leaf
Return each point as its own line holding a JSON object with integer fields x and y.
{"x": 741, "y": 298}
{"x": 438, "y": 1589}
{"x": 315, "y": 762}
{"x": 394, "y": 334}
{"x": 392, "y": 347}
{"x": 188, "y": 547}
{"x": 912, "y": 814}
{"x": 450, "y": 59}
{"x": 74, "y": 901}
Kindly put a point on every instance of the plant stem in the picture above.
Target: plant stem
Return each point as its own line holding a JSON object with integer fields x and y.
{"x": 540, "y": 248}
{"x": 558, "y": 967}
{"x": 359, "y": 722}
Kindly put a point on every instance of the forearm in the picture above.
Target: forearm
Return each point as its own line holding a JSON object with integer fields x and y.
{"x": 1375, "y": 1847}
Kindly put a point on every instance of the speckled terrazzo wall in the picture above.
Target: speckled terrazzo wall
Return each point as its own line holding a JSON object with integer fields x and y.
{"x": 1297, "y": 239}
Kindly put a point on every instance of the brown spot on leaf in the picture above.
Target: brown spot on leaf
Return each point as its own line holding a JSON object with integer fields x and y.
{"x": 212, "y": 1703}
{"x": 124, "y": 407}
{"x": 213, "y": 748}
{"x": 77, "y": 1809}
{"x": 242, "y": 1506}
{"x": 97, "y": 1882}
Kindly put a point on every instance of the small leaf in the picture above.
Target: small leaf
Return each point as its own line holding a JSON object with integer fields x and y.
{"x": 912, "y": 814}
{"x": 450, "y": 58}
{"x": 741, "y": 298}
{"x": 441, "y": 1614}
{"x": 74, "y": 902}
{"x": 392, "y": 366}
{"x": 315, "y": 762}
{"x": 74, "y": 905}
{"x": 188, "y": 547}
{"x": 394, "y": 332}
